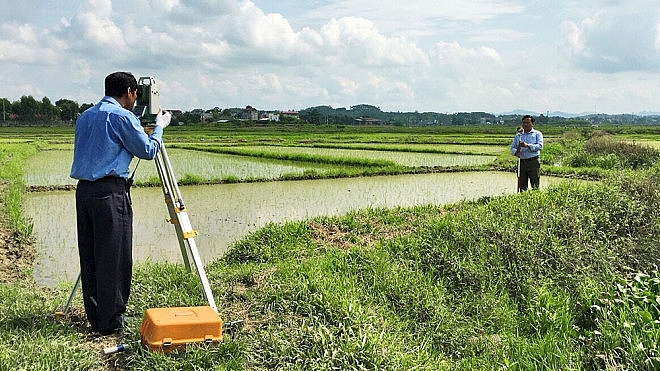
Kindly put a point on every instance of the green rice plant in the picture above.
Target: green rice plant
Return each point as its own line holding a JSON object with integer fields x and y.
{"x": 153, "y": 181}
{"x": 420, "y": 145}
{"x": 191, "y": 179}
{"x": 231, "y": 179}
{"x": 307, "y": 174}
{"x": 304, "y": 157}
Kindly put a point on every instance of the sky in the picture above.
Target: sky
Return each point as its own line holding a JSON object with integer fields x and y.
{"x": 575, "y": 56}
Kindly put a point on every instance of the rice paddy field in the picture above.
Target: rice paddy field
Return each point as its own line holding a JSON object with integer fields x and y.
{"x": 563, "y": 278}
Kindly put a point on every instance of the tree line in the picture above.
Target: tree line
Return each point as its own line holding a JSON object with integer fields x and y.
{"x": 28, "y": 111}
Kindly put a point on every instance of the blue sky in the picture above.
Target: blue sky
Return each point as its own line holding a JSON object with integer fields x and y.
{"x": 445, "y": 56}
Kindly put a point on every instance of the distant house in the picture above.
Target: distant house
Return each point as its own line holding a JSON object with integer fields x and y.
{"x": 367, "y": 121}
{"x": 273, "y": 116}
{"x": 203, "y": 115}
{"x": 290, "y": 113}
{"x": 250, "y": 113}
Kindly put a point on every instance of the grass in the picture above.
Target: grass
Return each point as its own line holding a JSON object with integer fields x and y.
{"x": 563, "y": 279}
{"x": 12, "y": 157}
{"x": 455, "y": 288}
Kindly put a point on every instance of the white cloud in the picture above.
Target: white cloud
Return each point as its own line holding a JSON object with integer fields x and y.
{"x": 453, "y": 55}
{"x": 396, "y": 14}
{"x": 196, "y": 11}
{"x": 357, "y": 41}
{"x": 24, "y": 44}
{"x": 615, "y": 39}
{"x": 424, "y": 55}
{"x": 94, "y": 25}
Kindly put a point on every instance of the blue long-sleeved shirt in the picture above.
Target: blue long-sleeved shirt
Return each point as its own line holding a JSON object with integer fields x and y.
{"x": 535, "y": 140}
{"x": 106, "y": 139}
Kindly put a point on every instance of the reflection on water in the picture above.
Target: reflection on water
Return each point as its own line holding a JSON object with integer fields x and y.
{"x": 227, "y": 212}
{"x": 52, "y": 167}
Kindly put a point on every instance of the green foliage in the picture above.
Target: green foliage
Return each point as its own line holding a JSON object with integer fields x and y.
{"x": 552, "y": 152}
{"x": 625, "y": 322}
{"x": 191, "y": 179}
{"x": 642, "y": 292}
{"x": 11, "y": 160}
{"x": 68, "y": 109}
{"x": 604, "y": 152}
{"x": 272, "y": 242}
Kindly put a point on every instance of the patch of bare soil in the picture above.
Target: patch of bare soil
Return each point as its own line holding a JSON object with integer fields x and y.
{"x": 77, "y": 319}
{"x": 330, "y": 234}
{"x": 334, "y": 236}
{"x": 16, "y": 256}
{"x": 48, "y": 188}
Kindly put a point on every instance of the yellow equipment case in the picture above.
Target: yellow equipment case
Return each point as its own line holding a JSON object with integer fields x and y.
{"x": 168, "y": 329}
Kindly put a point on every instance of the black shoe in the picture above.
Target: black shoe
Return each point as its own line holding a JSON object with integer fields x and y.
{"x": 109, "y": 332}
{"x": 123, "y": 322}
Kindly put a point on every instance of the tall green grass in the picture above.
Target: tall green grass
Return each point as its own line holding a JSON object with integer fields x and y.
{"x": 508, "y": 283}
{"x": 605, "y": 152}
{"x": 12, "y": 157}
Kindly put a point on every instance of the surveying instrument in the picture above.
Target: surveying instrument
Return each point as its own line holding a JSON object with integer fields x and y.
{"x": 146, "y": 109}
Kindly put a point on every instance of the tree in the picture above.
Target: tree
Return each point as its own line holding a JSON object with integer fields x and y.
{"x": 46, "y": 109}
{"x": 226, "y": 114}
{"x": 68, "y": 109}
{"x": 313, "y": 116}
{"x": 84, "y": 107}
{"x": 26, "y": 108}
{"x": 215, "y": 112}
{"x": 6, "y": 108}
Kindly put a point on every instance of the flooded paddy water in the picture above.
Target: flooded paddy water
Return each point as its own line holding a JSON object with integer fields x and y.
{"x": 224, "y": 213}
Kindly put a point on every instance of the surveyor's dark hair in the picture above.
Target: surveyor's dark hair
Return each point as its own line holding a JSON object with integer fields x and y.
{"x": 529, "y": 117}
{"x": 117, "y": 83}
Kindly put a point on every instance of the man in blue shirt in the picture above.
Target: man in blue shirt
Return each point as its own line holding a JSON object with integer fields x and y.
{"x": 107, "y": 137}
{"x": 528, "y": 145}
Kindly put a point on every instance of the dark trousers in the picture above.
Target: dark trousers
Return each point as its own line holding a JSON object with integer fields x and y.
{"x": 530, "y": 172}
{"x": 105, "y": 237}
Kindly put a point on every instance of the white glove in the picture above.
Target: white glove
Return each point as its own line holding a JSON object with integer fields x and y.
{"x": 163, "y": 119}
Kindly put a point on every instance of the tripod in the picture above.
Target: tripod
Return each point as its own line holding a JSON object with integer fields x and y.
{"x": 179, "y": 218}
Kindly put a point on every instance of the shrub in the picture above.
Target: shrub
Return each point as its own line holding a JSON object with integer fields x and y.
{"x": 630, "y": 155}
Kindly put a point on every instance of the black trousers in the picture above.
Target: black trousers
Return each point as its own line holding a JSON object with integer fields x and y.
{"x": 530, "y": 172}
{"x": 105, "y": 237}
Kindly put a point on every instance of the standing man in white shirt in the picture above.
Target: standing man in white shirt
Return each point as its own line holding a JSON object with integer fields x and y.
{"x": 528, "y": 145}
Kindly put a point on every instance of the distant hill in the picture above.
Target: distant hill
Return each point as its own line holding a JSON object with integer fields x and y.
{"x": 647, "y": 113}
{"x": 518, "y": 112}
{"x": 521, "y": 112}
